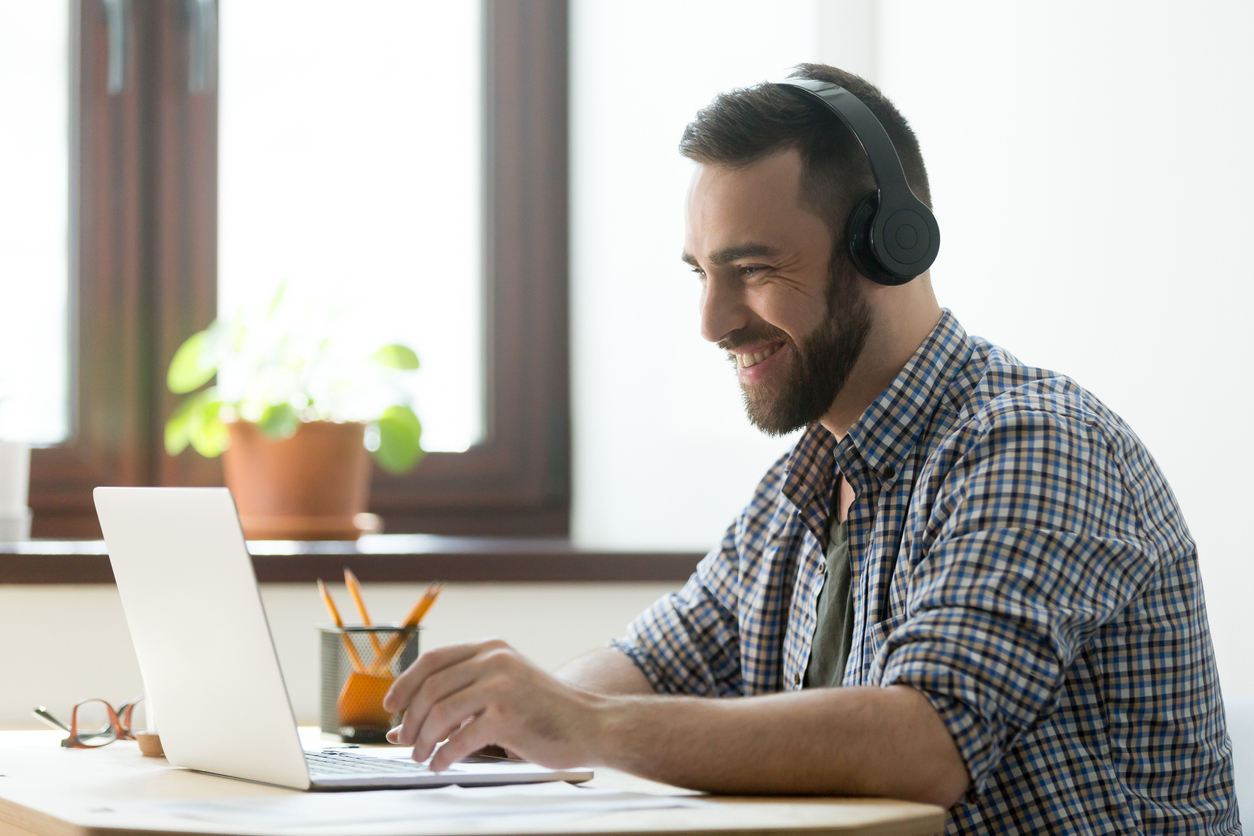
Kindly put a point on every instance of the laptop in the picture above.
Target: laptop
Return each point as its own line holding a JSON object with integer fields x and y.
{"x": 208, "y": 660}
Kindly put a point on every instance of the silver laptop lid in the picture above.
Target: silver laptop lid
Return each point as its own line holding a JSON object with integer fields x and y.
{"x": 200, "y": 632}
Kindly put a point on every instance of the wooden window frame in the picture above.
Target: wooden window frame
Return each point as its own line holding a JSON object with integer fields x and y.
{"x": 144, "y": 271}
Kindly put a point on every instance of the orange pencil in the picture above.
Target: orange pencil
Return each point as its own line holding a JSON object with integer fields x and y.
{"x": 335, "y": 615}
{"x": 354, "y": 589}
{"x": 412, "y": 620}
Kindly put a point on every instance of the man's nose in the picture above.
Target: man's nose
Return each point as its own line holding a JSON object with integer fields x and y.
{"x": 722, "y": 308}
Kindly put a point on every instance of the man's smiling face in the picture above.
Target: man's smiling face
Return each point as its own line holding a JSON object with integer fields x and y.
{"x": 793, "y": 327}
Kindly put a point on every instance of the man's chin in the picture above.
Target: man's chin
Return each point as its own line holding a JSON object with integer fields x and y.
{"x": 768, "y": 416}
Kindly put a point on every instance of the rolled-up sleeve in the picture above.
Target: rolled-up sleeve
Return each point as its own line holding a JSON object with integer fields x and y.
{"x": 687, "y": 642}
{"x": 1034, "y": 545}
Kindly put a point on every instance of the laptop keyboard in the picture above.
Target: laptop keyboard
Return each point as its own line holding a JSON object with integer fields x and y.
{"x": 343, "y": 764}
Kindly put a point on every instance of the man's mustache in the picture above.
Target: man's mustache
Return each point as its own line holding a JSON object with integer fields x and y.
{"x": 750, "y": 336}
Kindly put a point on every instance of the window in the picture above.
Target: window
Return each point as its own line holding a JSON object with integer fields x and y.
{"x": 350, "y": 167}
{"x": 34, "y": 222}
{"x": 143, "y": 257}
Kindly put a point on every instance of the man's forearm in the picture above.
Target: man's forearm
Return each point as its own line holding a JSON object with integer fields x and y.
{"x": 605, "y": 671}
{"x": 830, "y": 741}
{"x": 595, "y": 712}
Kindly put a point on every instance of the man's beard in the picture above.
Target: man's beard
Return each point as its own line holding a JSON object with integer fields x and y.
{"x": 823, "y": 362}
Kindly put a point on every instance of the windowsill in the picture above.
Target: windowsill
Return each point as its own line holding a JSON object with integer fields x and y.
{"x": 394, "y": 558}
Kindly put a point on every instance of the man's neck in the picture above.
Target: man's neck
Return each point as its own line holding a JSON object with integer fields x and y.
{"x": 896, "y": 335}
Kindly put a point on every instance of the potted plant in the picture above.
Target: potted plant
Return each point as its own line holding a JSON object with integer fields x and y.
{"x": 299, "y": 404}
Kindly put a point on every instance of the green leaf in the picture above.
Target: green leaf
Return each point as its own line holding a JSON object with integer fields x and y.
{"x": 197, "y": 421}
{"x": 396, "y": 356}
{"x": 193, "y": 363}
{"x": 178, "y": 428}
{"x": 211, "y": 436}
{"x": 400, "y": 436}
{"x": 279, "y": 421}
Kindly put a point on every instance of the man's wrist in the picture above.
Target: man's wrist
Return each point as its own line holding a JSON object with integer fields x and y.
{"x": 613, "y": 722}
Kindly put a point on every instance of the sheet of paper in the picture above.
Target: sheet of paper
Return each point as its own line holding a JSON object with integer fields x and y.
{"x": 553, "y": 801}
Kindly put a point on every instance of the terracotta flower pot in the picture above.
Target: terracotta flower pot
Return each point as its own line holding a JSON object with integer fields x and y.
{"x": 312, "y": 486}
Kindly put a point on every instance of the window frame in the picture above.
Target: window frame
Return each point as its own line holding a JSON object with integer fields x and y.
{"x": 143, "y": 244}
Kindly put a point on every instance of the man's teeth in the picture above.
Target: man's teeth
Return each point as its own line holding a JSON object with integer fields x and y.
{"x": 747, "y": 360}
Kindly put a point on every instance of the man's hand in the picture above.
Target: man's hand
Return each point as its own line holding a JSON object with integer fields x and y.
{"x": 486, "y": 693}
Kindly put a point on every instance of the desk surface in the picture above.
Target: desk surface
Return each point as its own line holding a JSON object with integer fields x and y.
{"x": 45, "y": 789}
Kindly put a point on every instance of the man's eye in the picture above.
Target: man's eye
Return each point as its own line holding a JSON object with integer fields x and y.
{"x": 751, "y": 270}
{"x": 699, "y": 273}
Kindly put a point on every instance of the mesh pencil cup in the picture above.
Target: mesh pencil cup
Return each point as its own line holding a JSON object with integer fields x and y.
{"x": 358, "y": 666}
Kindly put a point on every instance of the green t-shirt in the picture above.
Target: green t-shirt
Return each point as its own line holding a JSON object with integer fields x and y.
{"x": 833, "y": 623}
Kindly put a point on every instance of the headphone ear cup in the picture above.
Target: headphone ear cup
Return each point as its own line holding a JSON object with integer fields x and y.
{"x": 858, "y": 239}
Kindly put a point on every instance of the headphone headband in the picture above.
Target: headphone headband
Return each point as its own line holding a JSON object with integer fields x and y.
{"x": 892, "y": 235}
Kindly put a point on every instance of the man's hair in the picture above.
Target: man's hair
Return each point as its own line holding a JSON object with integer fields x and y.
{"x": 744, "y": 125}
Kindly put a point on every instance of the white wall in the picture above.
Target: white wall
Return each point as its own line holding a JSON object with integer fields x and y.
{"x": 1091, "y": 170}
{"x": 63, "y": 643}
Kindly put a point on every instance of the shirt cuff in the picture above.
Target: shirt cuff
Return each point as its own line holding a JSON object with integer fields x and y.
{"x": 642, "y": 661}
{"x": 978, "y": 742}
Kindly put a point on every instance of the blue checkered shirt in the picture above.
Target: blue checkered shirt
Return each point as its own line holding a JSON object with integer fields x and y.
{"x": 1018, "y": 558}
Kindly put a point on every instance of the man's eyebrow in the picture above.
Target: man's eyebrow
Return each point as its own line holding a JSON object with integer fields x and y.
{"x": 729, "y": 254}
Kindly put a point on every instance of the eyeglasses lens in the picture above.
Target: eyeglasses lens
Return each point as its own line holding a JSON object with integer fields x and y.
{"x": 133, "y": 718}
{"x": 92, "y": 723}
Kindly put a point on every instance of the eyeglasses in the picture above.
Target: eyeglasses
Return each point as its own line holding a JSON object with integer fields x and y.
{"x": 94, "y": 723}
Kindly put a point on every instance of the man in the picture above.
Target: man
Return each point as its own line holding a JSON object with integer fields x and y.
{"x": 967, "y": 584}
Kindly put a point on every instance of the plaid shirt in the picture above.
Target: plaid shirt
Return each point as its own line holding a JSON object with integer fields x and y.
{"x": 1018, "y": 558}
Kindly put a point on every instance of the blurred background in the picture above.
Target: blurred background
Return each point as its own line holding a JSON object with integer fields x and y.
{"x": 497, "y": 185}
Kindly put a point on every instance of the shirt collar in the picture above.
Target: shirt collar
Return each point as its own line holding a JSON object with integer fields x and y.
{"x": 808, "y": 478}
{"x": 877, "y": 444}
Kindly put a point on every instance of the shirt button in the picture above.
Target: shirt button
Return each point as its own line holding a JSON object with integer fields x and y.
{"x": 822, "y": 565}
{"x": 888, "y": 472}
{"x": 796, "y": 679}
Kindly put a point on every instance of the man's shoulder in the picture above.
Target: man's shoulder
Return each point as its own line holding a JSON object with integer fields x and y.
{"x": 1028, "y": 423}
{"x": 998, "y": 392}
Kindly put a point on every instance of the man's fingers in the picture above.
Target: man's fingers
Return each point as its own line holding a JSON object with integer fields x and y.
{"x": 435, "y": 688}
{"x": 447, "y": 716}
{"x": 443, "y": 682}
{"x": 408, "y": 683}
{"x": 469, "y": 738}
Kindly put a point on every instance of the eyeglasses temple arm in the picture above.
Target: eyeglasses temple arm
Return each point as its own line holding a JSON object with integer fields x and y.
{"x": 43, "y": 714}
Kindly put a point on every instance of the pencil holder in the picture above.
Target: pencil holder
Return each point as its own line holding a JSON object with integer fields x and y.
{"x": 358, "y": 666}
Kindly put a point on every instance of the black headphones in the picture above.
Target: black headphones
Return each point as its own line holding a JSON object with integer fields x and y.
{"x": 892, "y": 235}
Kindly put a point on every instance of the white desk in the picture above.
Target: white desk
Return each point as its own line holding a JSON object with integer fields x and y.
{"x": 51, "y": 791}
